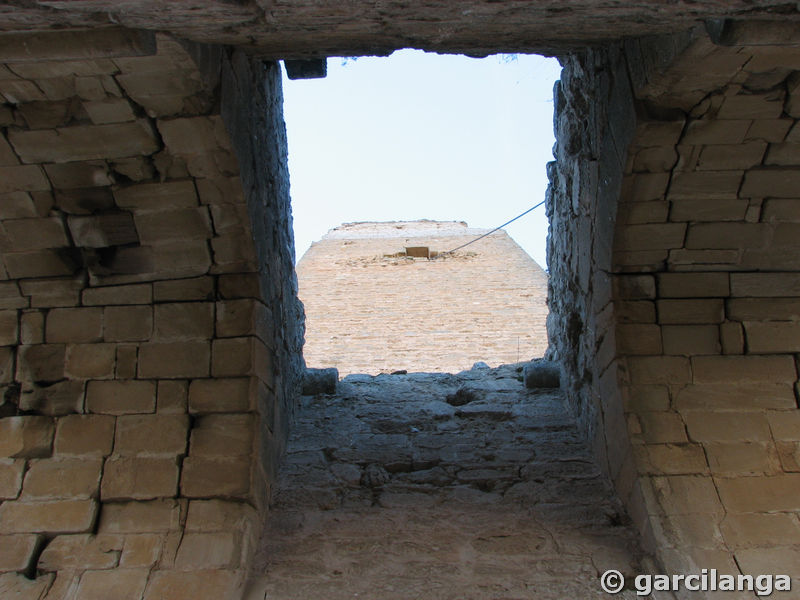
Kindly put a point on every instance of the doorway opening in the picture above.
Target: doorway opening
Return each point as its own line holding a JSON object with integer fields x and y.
{"x": 392, "y": 156}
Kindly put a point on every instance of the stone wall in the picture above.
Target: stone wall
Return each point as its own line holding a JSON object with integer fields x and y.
{"x": 693, "y": 313}
{"x": 149, "y": 346}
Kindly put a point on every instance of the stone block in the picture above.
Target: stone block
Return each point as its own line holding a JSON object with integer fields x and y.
{"x": 85, "y": 201}
{"x": 172, "y": 397}
{"x": 657, "y": 159}
{"x": 772, "y": 337}
{"x": 672, "y": 459}
{"x": 730, "y": 394}
{"x": 82, "y": 174}
{"x": 710, "y": 209}
{"x": 81, "y": 551}
{"x": 705, "y": 184}
{"x": 731, "y": 336}
{"x": 18, "y": 205}
{"x": 164, "y": 196}
{"x": 219, "y": 515}
{"x": 14, "y": 585}
{"x": 51, "y": 293}
{"x": 84, "y": 142}
{"x": 222, "y": 436}
{"x": 121, "y": 397}
{"x": 324, "y": 381}
{"x": 233, "y": 251}
{"x": 689, "y": 340}
{"x": 197, "y": 288}
{"x": 139, "y": 478}
{"x": 6, "y": 364}
{"x": 769, "y": 130}
{"x": 218, "y": 550}
{"x": 38, "y": 263}
{"x": 783, "y": 155}
{"x": 62, "y": 398}
{"x": 658, "y": 236}
{"x": 184, "y": 321}
{"x": 233, "y": 357}
{"x": 141, "y": 550}
{"x": 662, "y": 427}
{"x": 10, "y": 296}
{"x": 220, "y": 395}
{"x": 693, "y": 285}
{"x": 760, "y": 530}
{"x": 221, "y": 191}
{"x": 175, "y": 360}
{"x": 141, "y": 293}
{"x": 770, "y": 183}
{"x": 727, "y": 235}
{"x": 732, "y": 156}
{"x": 189, "y": 585}
{"x": 635, "y": 311}
{"x": 785, "y": 425}
{"x": 781, "y": 210}
{"x": 712, "y": 131}
{"x": 120, "y": 584}
{"x": 35, "y": 234}
{"x": 9, "y": 328}
{"x": 768, "y": 494}
{"x": 52, "y": 517}
{"x": 128, "y": 323}
{"x": 642, "y": 398}
{"x": 74, "y": 325}
{"x": 743, "y": 369}
{"x": 760, "y": 285}
{"x": 62, "y": 478}
{"x": 752, "y": 106}
{"x": 143, "y": 435}
{"x": 168, "y": 225}
{"x": 639, "y": 339}
{"x": 654, "y": 211}
{"x": 194, "y": 135}
{"x": 688, "y": 494}
{"x": 31, "y": 327}
{"x": 635, "y": 287}
{"x": 182, "y": 259}
{"x": 11, "y": 471}
{"x": 7, "y": 156}
{"x": 690, "y": 312}
{"x": 153, "y": 516}
{"x": 736, "y": 459}
{"x": 26, "y": 436}
{"x": 84, "y": 435}
{"x": 240, "y": 285}
{"x": 135, "y": 168}
{"x": 789, "y": 453}
{"x": 127, "y": 361}
{"x": 110, "y": 110}
{"x": 215, "y": 477}
{"x": 659, "y": 369}
{"x": 91, "y": 361}
{"x": 17, "y": 551}
{"x": 721, "y": 426}
{"x": 237, "y": 318}
{"x": 103, "y": 230}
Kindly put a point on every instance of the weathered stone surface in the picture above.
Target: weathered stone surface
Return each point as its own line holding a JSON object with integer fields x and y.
{"x": 26, "y": 437}
{"x": 542, "y": 374}
{"x": 11, "y": 471}
{"x": 320, "y": 381}
{"x": 220, "y": 395}
{"x": 16, "y": 551}
{"x": 174, "y": 359}
{"x": 121, "y": 397}
{"x": 139, "y": 478}
{"x": 84, "y": 435}
{"x": 58, "y": 516}
{"x": 138, "y": 435}
{"x": 62, "y": 478}
{"x": 125, "y": 584}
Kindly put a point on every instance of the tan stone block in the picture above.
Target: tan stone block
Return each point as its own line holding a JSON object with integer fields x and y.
{"x": 662, "y": 427}
{"x": 38, "y": 263}
{"x": 7, "y": 156}
{"x": 638, "y": 339}
{"x": 127, "y": 359}
{"x": 14, "y": 585}
{"x": 17, "y": 551}
{"x": 81, "y": 551}
{"x": 59, "y": 516}
{"x": 91, "y": 361}
{"x": 785, "y": 424}
{"x": 769, "y": 130}
{"x": 656, "y": 159}
{"x": 233, "y": 251}
{"x": 21, "y": 91}
{"x": 635, "y": 311}
{"x": 732, "y": 156}
{"x": 135, "y": 168}
{"x": 635, "y": 287}
{"x": 184, "y": 320}
{"x": 705, "y": 184}
{"x": 216, "y": 477}
{"x": 687, "y": 494}
{"x": 718, "y": 426}
{"x": 743, "y": 369}
{"x": 67, "y": 176}
{"x": 693, "y": 285}
{"x": 62, "y": 398}
{"x": 9, "y": 328}
{"x": 85, "y": 201}
{"x": 770, "y": 560}
{"x": 53, "y": 292}
{"x": 772, "y": 337}
{"x": 778, "y": 493}
{"x": 139, "y": 478}
{"x": 74, "y": 325}
{"x": 233, "y": 357}
{"x": 730, "y": 394}
{"x": 141, "y": 517}
{"x": 120, "y": 584}
{"x": 242, "y": 285}
{"x": 189, "y": 585}
{"x": 220, "y": 395}
{"x": 710, "y": 209}
{"x": 141, "y": 550}
{"x": 219, "y": 515}
{"x": 731, "y": 337}
{"x": 22, "y": 178}
{"x": 128, "y": 323}
{"x": 222, "y": 436}
{"x": 111, "y": 110}
{"x": 712, "y": 131}
{"x": 167, "y": 225}
{"x": 174, "y": 360}
{"x": 641, "y": 398}
{"x": 760, "y": 530}
{"x": 62, "y": 478}
{"x": 172, "y": 397}
{"x": 659, "y": 369}
{"x": 121, "y": 397}
{"x": 690, "y": 312}
{"x": 31, "y": 327}
{"x": 84, "y": 435}
{"x": 198, "y": 288}
{"x": 727, "y": 235}
{"x": 703, "y": 260}
{"x": 26, "y": 437}
{"x": 35, "y": 234}
{"x": 784, "y": 155}
{"x": 194, "y": 135}
{"x": 103, "y": 230}
{"x": 752, "y": 106}
{"x": 765, "y": 285}
{"x": 221, "y": 190}
{"x": 689, "y": 340}
{"x": 182, "y": 259}
{"x": 157, "y": 196}
{"x": 763, "y": 183}
{"x": 18, "y": 205}
{"x": 659, "y": 236}
{"x": 10, "y": 296}
{"x": 85, "y": 142}
{"x": 11, "y": 471}
{"x": 789, "y": 453}
{"x": 208, "y": 551}
{"x": 142, "y": 435}
{"x": 672, "y": 459}
{"x": 655, "y": 211}
{"x": 781, "y": 210}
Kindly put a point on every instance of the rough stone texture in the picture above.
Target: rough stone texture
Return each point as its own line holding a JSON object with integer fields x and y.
{"x": 371, "y": 307}
{"x": 390, "y": 492}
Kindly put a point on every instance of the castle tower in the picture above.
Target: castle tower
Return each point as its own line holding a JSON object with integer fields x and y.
{"x": 381, "y": 297}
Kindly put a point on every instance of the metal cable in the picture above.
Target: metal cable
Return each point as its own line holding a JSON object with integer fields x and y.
{"x": 489, "y": 232}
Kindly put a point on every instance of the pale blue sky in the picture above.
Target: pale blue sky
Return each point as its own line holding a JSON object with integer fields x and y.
{"x": 422, "y": 136}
